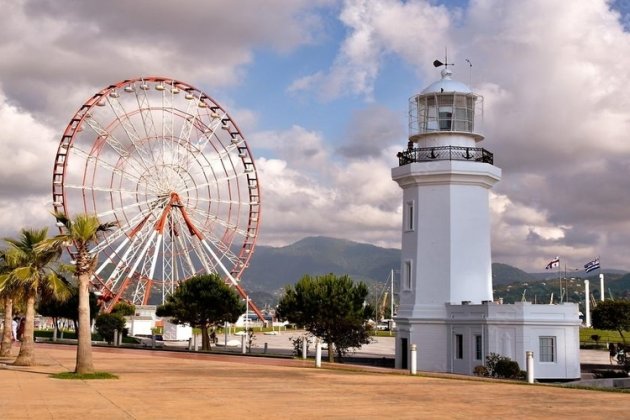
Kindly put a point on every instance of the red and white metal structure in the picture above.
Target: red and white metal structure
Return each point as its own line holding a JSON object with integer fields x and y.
{"x": 168, "y": 164}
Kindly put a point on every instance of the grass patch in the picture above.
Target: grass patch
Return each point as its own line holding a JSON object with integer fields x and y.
{"x": 73, "y": 375}
{"x": 606, "y": 336}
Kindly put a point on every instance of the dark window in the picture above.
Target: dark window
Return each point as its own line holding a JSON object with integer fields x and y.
{"x": 459, "y": 346}
{"x": 478, "y": 348}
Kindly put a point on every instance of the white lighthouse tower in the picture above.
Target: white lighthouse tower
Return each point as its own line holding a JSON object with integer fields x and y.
{"x": 446, "y": 303}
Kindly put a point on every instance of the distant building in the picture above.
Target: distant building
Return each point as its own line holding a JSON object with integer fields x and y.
{"x": 446, "y": 302}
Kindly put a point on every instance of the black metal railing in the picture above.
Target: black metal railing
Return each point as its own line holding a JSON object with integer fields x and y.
{"x": 427, "y": 154}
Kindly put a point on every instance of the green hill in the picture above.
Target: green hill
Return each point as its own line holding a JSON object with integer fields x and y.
{"x": 272, "y": 268}
{"x": 506, "y": 274}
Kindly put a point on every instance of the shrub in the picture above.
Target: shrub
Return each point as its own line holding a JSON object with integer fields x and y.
{"x": 297, "y": 343}
{"x": 105, "y": 324}
{"x": 498, "y": 366}
{"x": 481, "y": 370}
{"x": 491, "y": 362}
{"x": 506, "y": 368}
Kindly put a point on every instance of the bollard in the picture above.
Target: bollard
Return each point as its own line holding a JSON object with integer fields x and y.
{"x": 587, "y": 303}
{"x": 265, "y": 350}
{"x": 243, "y": 347}
{"x": 190, "y": 343}
{"x": 196, "y": 341}
{"x": 304, "y": 347}
{"x": 318, "y": 353}
{"x": 152, "y": 341}
{"x": 529, "y": 355}
{"x": 115, "y": 337}
{"x": 413, "y": 359}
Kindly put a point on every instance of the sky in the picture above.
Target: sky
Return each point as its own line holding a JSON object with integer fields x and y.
{"x": 320, "y": 90}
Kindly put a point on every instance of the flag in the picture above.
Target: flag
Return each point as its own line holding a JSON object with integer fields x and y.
{"x": 592, "y": 265}
{"x": 553, "y": 263}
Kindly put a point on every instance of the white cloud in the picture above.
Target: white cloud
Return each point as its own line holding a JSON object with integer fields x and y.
{"x": 553, "y": 77}
{"x": 556, "y": 96}
{"x": 355, "y": 199}
{"x": 378, "y": 28}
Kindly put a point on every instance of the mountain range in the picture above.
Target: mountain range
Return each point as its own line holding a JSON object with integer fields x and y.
{"x": 272, "y": 268}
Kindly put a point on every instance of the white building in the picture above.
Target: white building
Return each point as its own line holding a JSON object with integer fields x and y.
{"x": 446, "y": 303}
{"x": 143, "y": 321}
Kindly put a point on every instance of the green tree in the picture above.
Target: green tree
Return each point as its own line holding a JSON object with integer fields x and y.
{"x": 56, "y": 308}
{"x": 124, "y": 309}
{"x": 612, "y": 315}
{"x": 81, "y": 231}
{"x": 106, "y": 324}
{"x": 32, "y": 273}
{"x": 331, "y": 308}
{"x": 202, "y": 302}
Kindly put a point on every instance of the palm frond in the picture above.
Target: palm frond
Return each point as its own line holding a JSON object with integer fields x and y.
{"x": 104, "y": 227}
{"x": 58, "y": 286}
{"x": 63, "y": 219}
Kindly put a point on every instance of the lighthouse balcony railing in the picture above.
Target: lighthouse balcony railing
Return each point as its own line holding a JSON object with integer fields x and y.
{"x": 428, "y": 154}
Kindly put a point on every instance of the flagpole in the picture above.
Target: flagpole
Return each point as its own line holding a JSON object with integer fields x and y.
{"x": 601, "y": 281}
{"x": 560, "y": 280}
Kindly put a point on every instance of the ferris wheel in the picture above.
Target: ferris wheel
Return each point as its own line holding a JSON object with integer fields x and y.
{"x": 169, "y": 166}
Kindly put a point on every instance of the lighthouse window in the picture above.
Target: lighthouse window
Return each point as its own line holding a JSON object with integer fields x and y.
{"x": 464, "y": 113}
{"x": 445, "y": 112}
{"x": 428, "y": 114}
{"x": 445, "y": 119}
{"x": 409, "y": 216}
{"x": 408, "y": 275}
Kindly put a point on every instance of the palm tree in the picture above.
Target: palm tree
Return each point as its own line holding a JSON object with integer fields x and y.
{"x": 7, "y": 296}
{"x": 31, "y": 273}
{"x": 82, "y": 232}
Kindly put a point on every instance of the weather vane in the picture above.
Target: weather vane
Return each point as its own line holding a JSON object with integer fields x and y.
{"x": 438, "y": 63}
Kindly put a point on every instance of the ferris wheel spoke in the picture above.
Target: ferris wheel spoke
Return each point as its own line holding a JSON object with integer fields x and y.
{"x": 220, "y": 201}
{"x": 207, "y": 133}
{"x": 210, "y": 183}
{"x": 150, "y": 203}
{"x": 101, "y": 189}
{"x": 224, "y": 249}
{"x": 208, "y": 247}
{"x": 113, "y": 142}
{"x": 126, "y": 229}
{"x": 132, "y": 133}
{"x": 207, "y": 216}
{"x": 121, "y": 270}
{"x": 197, "y": 248}
{"x": 166, "y": 123}
{"x": 146, "y": 114}
{"x": 107, "y": 166}
{"x": 183, "y": 250}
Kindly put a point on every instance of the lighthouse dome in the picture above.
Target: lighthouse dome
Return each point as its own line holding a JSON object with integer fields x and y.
{"x": 446, "y": 84}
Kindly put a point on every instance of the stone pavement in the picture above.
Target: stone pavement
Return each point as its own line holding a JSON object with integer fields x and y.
{"x": 173, "y": 385}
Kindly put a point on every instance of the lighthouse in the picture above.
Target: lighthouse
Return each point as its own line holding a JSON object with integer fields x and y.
{"x": 446, "y": 302}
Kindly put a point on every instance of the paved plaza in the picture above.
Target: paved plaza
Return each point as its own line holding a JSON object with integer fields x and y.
{"x": 173, "y": 385}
